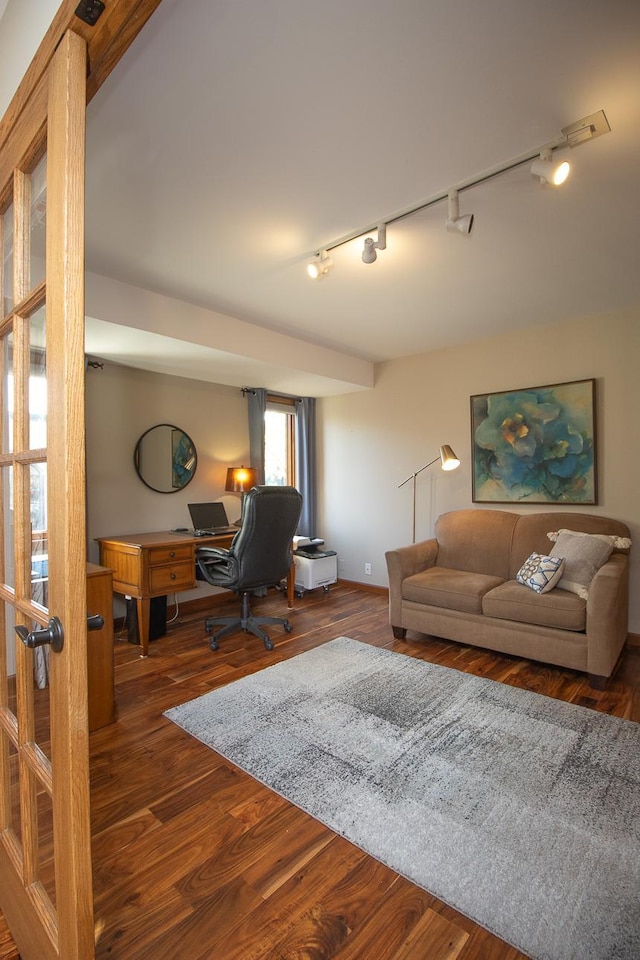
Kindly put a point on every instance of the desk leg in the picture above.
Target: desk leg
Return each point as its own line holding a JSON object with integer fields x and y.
{"x": 144, "y": 612}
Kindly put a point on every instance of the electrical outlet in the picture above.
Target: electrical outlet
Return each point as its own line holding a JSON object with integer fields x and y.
{"x": 367, "y": 569}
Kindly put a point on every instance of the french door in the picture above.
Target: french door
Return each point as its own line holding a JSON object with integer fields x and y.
{"x": 45, "y": 854}
{"x": 45, "y": 859}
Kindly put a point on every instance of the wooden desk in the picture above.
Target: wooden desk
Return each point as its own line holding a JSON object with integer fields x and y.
{"x": 147, "y": 565}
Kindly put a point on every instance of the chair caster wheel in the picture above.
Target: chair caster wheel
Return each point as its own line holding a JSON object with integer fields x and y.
{"x": 213, "y": 643}
{"x": 287, "y": 627}
{"x": 208, "y": 628}
{"x": 268, "y": 645}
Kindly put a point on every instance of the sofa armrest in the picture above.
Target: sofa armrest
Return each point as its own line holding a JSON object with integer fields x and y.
{"x": 404, "y": 562}
{"x": 607, "y": 615}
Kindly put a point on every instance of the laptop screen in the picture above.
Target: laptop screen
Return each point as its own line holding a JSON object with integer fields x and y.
{"x": 208, "y": 516}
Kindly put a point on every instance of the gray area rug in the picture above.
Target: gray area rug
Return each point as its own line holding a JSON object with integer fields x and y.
{"x": 520, "y": 811}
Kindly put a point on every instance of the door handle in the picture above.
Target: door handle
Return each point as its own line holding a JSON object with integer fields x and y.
{"x": 53, "y": 634}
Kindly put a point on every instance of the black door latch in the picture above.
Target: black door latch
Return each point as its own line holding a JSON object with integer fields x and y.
{"x": 90, "y": 11}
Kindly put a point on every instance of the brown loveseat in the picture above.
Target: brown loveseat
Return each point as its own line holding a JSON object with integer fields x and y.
{"x": 461, "y": 586}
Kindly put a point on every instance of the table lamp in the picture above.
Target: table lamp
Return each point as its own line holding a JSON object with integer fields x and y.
{"x": 240, "y": 479}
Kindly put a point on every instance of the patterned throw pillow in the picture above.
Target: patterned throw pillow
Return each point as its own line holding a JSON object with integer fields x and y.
{"x": 540, "y": 573}
{"x": 584, "y": 554}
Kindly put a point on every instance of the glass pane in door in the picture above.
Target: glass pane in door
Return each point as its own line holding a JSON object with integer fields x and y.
{"x": 41, "y": 657}
{"x": 37, "y": 381}
{"x": 7, "y": 527}
{"x": 7, "y": 260}
{"x": 37, "y": 223}
{"x": 6, "y": 436}
{"x": 14, "y": 805}
{"x": 39, "y": 571}
{"x": 46, "y": 863}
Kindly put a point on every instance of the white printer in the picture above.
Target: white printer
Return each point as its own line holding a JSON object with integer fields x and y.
{"x": 315, "y": 567}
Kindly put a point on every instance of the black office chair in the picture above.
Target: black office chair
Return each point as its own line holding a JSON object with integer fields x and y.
{"x": 259, "y": 557}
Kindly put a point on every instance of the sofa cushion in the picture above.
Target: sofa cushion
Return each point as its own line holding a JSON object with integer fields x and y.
{"x": 558, "y": 608}
{"x": 540, "y": 573}
{"x": 478, "y": 541}
{"x": 452, "y": 589}
{"x": 584, "y": 554}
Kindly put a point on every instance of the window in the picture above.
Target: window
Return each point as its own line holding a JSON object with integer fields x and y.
{"x": 279, "y": 442}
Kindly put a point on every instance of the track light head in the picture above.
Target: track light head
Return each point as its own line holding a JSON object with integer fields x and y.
{"x": 369, "y": 254}
{"x": 319, "y": 266}
{"x": 371, "y": 246}
{"x": 456, "y": 223}
{"x": 461, "y": 224}
{"x": 550, "y": 170}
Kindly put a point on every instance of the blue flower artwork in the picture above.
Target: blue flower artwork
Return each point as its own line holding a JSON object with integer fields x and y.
{"x": 535, "y": 445}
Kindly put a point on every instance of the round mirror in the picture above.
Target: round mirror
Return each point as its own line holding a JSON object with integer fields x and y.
{"x": 165, "y": 458}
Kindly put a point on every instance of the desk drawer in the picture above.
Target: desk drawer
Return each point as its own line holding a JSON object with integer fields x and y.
{"x": 174, "y": 576}
{"x": 159, "y": 555}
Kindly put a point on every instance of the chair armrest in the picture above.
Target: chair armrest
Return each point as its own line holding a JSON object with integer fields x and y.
{"x": 404, "y": 562}
{"x": 607, "y": 615}
{"x": 217, "y": 565}
{"x": 211, "y": 553}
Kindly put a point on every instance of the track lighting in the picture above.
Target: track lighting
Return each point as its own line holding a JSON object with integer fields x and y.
{"x": 456, "y": 223}
{"x": 550, "y": 170}
{"x": 542, "y": 165}
{"x": 319, "y": 266}
{"x": 369, "y": 252}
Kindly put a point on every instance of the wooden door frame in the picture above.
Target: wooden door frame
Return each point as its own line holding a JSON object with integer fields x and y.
{"x": 25, "y": 122}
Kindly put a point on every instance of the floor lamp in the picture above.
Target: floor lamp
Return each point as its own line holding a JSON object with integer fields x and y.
{"x": 449, "y": 462}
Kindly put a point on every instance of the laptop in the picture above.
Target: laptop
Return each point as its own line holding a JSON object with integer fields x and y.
{"x": 209, "y": 519}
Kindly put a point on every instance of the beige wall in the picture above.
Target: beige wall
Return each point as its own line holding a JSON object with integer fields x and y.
{"x": 369, "y": 442}
{"x": 23, "y": 27}
{"x": 122, "y": 403}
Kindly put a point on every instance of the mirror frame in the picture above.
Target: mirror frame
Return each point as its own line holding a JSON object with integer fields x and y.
{"x": 136, "y": 458}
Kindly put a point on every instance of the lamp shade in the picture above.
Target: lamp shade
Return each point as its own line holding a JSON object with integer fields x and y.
{"x": 240, "y": 479}
{"x": 448, "y": 457}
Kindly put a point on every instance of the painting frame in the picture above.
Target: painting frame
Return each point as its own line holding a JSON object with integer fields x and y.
{"x": 535, "y": 445}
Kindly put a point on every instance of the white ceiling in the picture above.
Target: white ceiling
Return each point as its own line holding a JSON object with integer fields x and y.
{"x": 237, "y": 138}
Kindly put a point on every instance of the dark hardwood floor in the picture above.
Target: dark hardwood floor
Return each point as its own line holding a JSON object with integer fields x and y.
{"x": 195, "y": 860}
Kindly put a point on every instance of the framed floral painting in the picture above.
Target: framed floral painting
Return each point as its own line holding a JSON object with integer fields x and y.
{"x": 535, "y": 445}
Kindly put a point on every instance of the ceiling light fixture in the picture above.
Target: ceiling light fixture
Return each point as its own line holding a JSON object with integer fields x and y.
{"x": 575, "y": 134}
{"x": 456, "y": 223}
{"x": 371, "y": 246}
{"x": 319, "y": 265}
{"x": 550, "y": 170}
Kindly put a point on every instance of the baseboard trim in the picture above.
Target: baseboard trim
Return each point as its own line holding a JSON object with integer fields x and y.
{"x": 201, "y": 604}
{"x": 368, "y": 587}
{"x": 633, "y": 639}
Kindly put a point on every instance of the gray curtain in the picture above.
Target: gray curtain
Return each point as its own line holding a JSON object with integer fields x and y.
{"x": 305, "y": 434}
{"x": 306, "y": 463}
{"x": 257, "y": 399}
